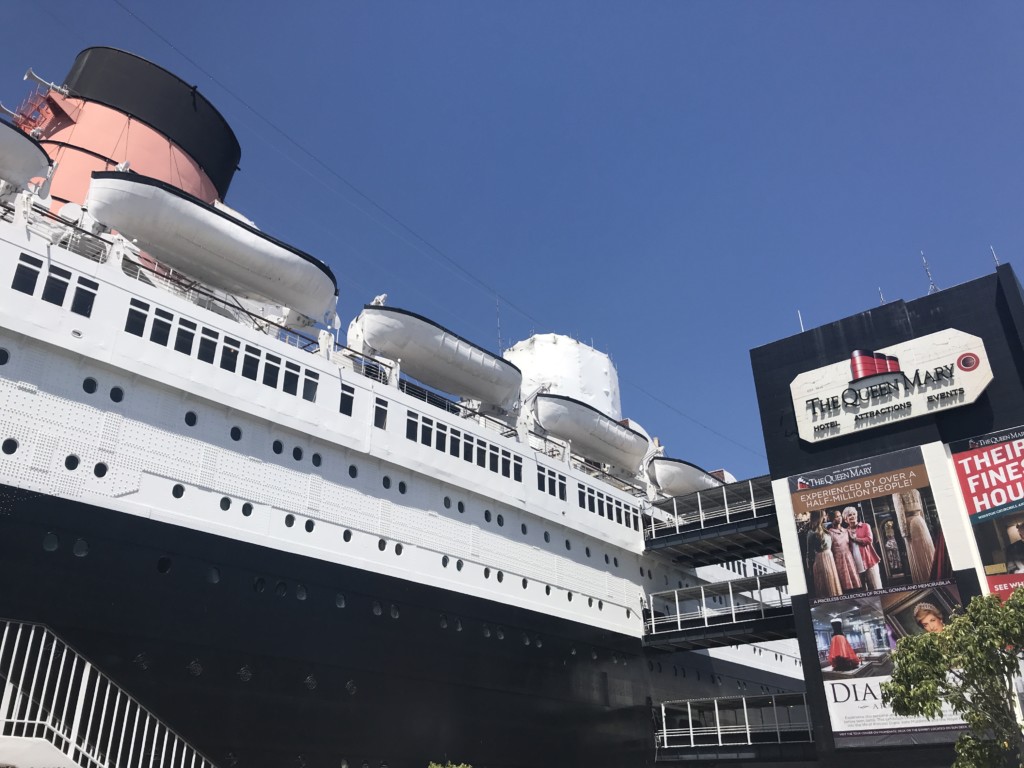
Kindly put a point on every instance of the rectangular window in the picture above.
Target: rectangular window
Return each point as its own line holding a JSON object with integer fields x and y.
{"x": 481, "y": 453}
{"x": 85, "y": 296}
{"x": 582, "y": 495}
{"x": 26, "y": 274}
{"x": 271, "y": 370}
{"x": 542, "y": 478}
{"x": 251, "y": 362}
{"x": 56, "y": 286}
{"x": 441, "y": 436}
{"x": 561, "y": 487}
{"x": 454, "y": 445}
{"x": 427, "y": 431}
{"x": 412, "y": 425}
{"x": 208, "y": 345}
{"x": 161, "y": 330}
{"x": 506, "y": 464}
{"x": 186, "y": 334}
{"x": 309, "y": 385}
{"x": 380, "y": 413}
{"x": 492, "y": 458}
{"x": 467, "y": 448}
{"x": 517, "y": 469}
{"x": 600, "y": 505}
{"x": 348, "y": 394}
{"x": 136, "y": 322}
{"x": 590, "y": 499}
{"x": 229, "y": 354}
{"x": 291, "y": 378}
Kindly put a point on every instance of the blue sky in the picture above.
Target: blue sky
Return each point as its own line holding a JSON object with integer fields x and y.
{"x": 670, "y": 181}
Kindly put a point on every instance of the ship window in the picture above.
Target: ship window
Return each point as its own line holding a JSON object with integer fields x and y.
{"x": 89, "y": 385}
{"x": 517, "y": 469}
{"x": 481, "y": 454}
{"x": 161, "y": 330}
{"x": 236, "y": 434}
{"x": 547, "y": 537}
{"x": 56, "y": 286}
{"x": 10, "y": 446}
{"x": 71, "y": 462}
{"x": 270, "y": 371}
{"x": 277, "y": 446}
{"x": 590, "y": 499}
{"x": 26, "y": 274}
{"x": 136, "y": 322}
{"x": 251, "y": 362}
{"x": 467, "y": 448}
{"x": 600, "y": 505}
{"x": 582, "y": 495}
{"x": 386, "y": 481}
{"x": 487, "y": 515}
{"x": 309, "y": 385}
{"x": 207, "y": 345}
{"x": 85, "y": 295}
{"x": 411, "y": 425}
{"x": 380, "y": 413}
{"x": 229, "y": 354}
{"x": 618, "y": 512}
{"x": 561, "y": 487}
{"x": 454, "y": 447}
{"x": 186, "y": 334}
{"x": 347, "y": 397}
{"x": 440, "y": 437}
{"x": 427, "y": 431}
{"x": 493, "y": 458}
{"x": 4, "y": 356}
{"x": 291, "y": 378}
{"x": 297, "y": 453}
{"x": 506, "y": 464}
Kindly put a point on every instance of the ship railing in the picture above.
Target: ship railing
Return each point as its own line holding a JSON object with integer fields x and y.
{"x": 733, "y": 502}
{"x": 52, "y": 693}
{"x": 6, "y": 213}
{"x": 750, "y": 720}
{"x": 713, "y": 604}
{"x": 62, "y": 233}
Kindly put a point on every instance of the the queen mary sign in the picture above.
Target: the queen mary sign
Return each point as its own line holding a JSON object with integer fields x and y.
{"x": 873, "y": 388}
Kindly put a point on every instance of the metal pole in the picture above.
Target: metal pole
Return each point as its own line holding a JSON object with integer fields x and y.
{"x": 718, "y": 724}
{"x": 775, "y": 714}
{"x": 700, "y": 509}
{"x": 725, "y": 500}
{"x": 746, "y": 718}
{"x": 679, "y": 615}
{"x": 703, "y": 607}
{"x": 77, "y": 715}
{"x": 753, "y": 502}
{"x": 675, "y": 512}
{"x": 732, "y": 602}
{"x": 664, "y": 727}
{"x": 689, "y": 723}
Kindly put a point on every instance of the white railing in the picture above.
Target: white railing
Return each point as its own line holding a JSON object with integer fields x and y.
{"x": 723, "y": 602}
{"x": 50, "y": 692}
{"x": 745, "y": 500}
{"x": 750, "y": 720}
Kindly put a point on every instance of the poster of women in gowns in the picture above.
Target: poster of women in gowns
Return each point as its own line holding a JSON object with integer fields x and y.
{"x": 874, "y": 555}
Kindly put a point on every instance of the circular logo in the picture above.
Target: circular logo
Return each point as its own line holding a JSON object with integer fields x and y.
{"x": 968, "y": 362}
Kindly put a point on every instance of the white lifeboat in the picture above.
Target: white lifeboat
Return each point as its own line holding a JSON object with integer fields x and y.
{"x": 592, "y": 433}
{"x": 220, "y": 250}
{"x": 675, "y": 477}
{"x": 436, "y": 356}
{"x": 22, "y": 158}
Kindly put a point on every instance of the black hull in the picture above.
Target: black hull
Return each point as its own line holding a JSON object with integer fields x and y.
{"x": 210, "y": 634}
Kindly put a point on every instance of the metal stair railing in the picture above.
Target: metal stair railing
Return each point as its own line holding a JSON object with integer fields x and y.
{"x": 747, "y": 720}
{"x": 51, "y": 692}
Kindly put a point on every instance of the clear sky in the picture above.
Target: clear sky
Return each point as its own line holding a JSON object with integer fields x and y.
{"x": 669, "y": 181}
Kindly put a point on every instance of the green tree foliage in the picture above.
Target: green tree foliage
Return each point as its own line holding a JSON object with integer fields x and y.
{"x": 970, "y": 666}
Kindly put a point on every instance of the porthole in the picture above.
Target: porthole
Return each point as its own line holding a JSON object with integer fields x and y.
{"x": 289, "y": 520}
{"x": 525, "y": 638}
{"x": 247, "y": 509}
{"x": 297, "y": 453}
{"x": 258, "y": 585}
{"x": 10, "y": 446}
{"x": 191, "y": 418}
{"x": 178, "y": 490}
{"x": 5, "y": 356}
{"x": 547, "y": 589}
{"x": 547, "y": 537}
{"x": 382, "y": 545}
{"x": 316, "y": 459}
{"x": 443, "y": 621}
{"x": 163, "y": 565}
{"x": 628, "y": 613}
{"x": 616, "y": 561}
{"x": 525, "y": 583}
{"x": 402, "y": 487}
{"x": 501, "y": 521}
{"x": 487, "y": 515}
{"x": 300, "y": 592}
{"x": 50, "y": 542}
{"x": 236, "y": 433}
{"x": 281, "y": 589}
{"x": 568, "y": 596}
{"x": 447, "y": 502}
{"x": 538, "y": 642}
{"x": 444, "y": 561}
{"x": 80, "y": 548}
{"x": 225, "y": 503}
{"x": 71, "y": 462}
{"x": 458, "y": 565}
{"x": 600, "y": 605}
{"x": 310, "y": 525}
{"x": 116, "y": 394}
{"x": 593, "y": 655}
{"x": 398, "y": 549}
{"x": 89, "y": 385}
{"x": 606, "y": 558}
{"x": 461, "y": 507}
{"x": 587, "y": 550}
{"x": 500, "y": 576}
{"x": 486, "y": 631}
{"x": 590, "y": 602}
{"x": 353, "y": 471}
{"x": 347, "y": 535}
{"x": 377, "y": 610}
{"x": 213, "y": 575}
{"x": 100, "y": 470}
{"x": 277, "y": 446}
{"x": 487, "y": 573}
{"x": 394, "y": 611}
{"x": 458, "y": 624}
{"x": 499, "y": 633}
{"x": 568, "y": 545}
{"x": 523, "y": 528}
{"x": 339, "y": 600}
{"x": 386, "y": 481}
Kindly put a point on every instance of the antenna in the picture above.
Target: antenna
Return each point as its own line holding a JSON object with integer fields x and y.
{"x": 30, "y": 75}
{"x": 8, "y": 112}
{"x": 994, "y": 257}
{"x": 932, "y": 287}
{"x": 801, "y": 319}
{"x": 881, "y": 296}
{"x": 497, "y": 315}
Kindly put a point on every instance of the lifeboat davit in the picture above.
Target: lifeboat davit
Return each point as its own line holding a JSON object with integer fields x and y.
{"x": 436, "y": 356}
{"x": 592, "y": 433}
{"x": 220, "y": 250}
{"x": 22, "y": 158}
{"x": 675, "y": 477}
